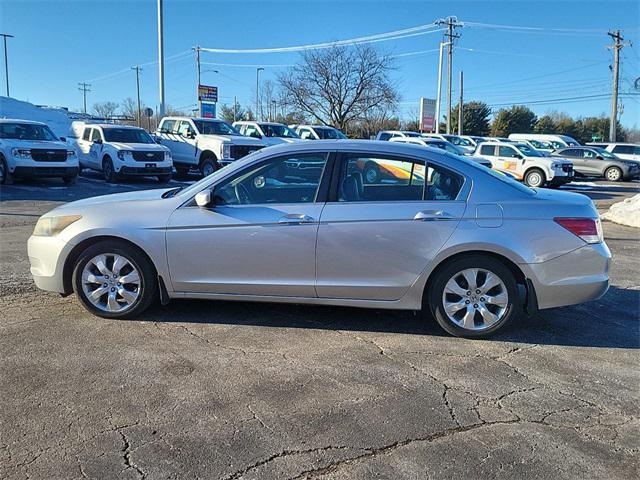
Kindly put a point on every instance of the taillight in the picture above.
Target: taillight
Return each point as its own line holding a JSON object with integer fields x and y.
{"x": 588, "y": 229}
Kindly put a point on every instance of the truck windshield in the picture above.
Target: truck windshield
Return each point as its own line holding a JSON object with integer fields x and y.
{"x": 126, "y": 135}
{"x": 26, "y": 131}
{"x": 271, "y": 130}
{"x": 527, "y": 151}
{"x": 215, "y": 127}
{"x": 328, "y": 133}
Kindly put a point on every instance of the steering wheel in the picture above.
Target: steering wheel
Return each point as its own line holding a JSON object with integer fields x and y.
{"x": 242, "y": 194}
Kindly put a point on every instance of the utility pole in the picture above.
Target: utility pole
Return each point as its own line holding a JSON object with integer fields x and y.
{"x": 258, "y": 70}
{"x": 137, "y": 69}
{"x": 451, "y": 23}
{"x": 460, "y": 108}
{"x": 198, "y": 73}
{"x": 160, "y": 59}
{"x": 235, "y": 109}
{"x": 617, "y": 46}
{"x": 437, "y": 126}
{"x": 84, "y": 88}
{"x": 6, "y": 59}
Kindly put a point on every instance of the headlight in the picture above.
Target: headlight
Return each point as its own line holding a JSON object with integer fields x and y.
{"x": 167, "y": 155}
{"x": 51, "y": 226}
{"x": 226, "y": 150}
{"x": 556, "y": 165}
{"x": 71, "y": 153}
{"x": 123, "y": 153}
{"x": 21, "y": 152}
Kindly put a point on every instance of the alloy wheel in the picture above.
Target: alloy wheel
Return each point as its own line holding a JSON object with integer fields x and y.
{"x": 111, "y": 282}
{"x": 534, "y": 179}
{"x": 613, "y": 174}
{"x": 475, "y": 299}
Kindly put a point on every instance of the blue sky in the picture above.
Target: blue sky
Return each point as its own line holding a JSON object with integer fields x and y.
{"x": 60, "y": 43}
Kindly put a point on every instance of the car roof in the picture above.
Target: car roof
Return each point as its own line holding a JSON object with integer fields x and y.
{"x": 179, "y": 117}
{"x": 19, "y": 120}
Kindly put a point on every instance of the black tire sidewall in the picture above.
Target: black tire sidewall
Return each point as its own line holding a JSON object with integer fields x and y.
{"x": 148, "y": 284}
{"x": 371, "y": 166}
{"x": 5, "y": 169}
{"x": 472, "y": 261}
{"x": 112, "y": 176}
{"x": 209, "y": 161}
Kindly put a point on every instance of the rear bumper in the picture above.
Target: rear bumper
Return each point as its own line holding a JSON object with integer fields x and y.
{"x": 575, "y": 277}
{"x": 45, "y": 171}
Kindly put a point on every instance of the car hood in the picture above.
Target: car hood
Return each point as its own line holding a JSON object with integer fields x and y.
{"x": 280, "y": 140}
{"x": 15, "y": 143}
{"x": 234, "y": 139}
{"x": 113, "y": 200}
{"x": 147, "y": 147}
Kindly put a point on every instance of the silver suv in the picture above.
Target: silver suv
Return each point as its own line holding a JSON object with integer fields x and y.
{"x": 598, "y": 162}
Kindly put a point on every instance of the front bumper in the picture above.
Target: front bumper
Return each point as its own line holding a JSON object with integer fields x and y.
{"x": 47, "y": 256}
{"x": 45, "y": 171}
{"x": 575, "y": 277}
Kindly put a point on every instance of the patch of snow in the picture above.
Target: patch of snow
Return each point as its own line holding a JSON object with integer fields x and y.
{"x": 626, "y": 212}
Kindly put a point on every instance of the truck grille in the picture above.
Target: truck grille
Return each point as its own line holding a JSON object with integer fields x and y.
{"x": 148, "y": 156}
{"x": 48, "y": 155}
{"x": 239, "y": 151}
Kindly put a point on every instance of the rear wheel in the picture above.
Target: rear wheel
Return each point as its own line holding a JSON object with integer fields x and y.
{"x": 613, "y": 174}
{"x": 5, "y": 176}
{"x": 474, "y": 296}
{"x": 534, "y": 178}
{"x": 114, "y": 280}
{"x": 109, "y": 172}
{"x": 371, "y": 173}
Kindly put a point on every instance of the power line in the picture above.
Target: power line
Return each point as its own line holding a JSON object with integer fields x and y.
{"x": 555, "y": 100}
{"x": 530, "y": 29}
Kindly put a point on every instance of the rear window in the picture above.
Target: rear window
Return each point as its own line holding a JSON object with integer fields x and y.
{"x": 487, "y": 150}
{"x": 627, "y": 149}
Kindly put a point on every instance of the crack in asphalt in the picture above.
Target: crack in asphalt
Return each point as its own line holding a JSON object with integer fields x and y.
{"x": 126, "y": 455}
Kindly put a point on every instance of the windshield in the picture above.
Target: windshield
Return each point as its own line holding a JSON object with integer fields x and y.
{"x": 215, "y": 127}
{"x": 411, "y": 134}
{"x": 126, "y": 135}
{"x": 605, "y": 153}
{"x": 26, "y": 131}
{"x": 328, "y": 133}
{"x": 271, "y": 130}
{"x": 527, "y": 151}
{"x": 459, "y": 140}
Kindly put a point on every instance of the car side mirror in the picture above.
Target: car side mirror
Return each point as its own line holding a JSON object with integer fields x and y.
{"x": 98, "y": 141}
{"x": 519, "y": 157}
{"x": 600, "y": 157}
{"x": 255, "y": 134}
{"x": 63, "y": 139}
{"x": 203, "y": 198}
{"x": 191, "y": 135}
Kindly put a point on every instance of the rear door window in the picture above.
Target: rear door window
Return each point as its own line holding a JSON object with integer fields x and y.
{"x": 86, "y": 135}
{"x": 504, "y": 151}
{"x": 488, "y": 150}
{"x": 95, "y": 135}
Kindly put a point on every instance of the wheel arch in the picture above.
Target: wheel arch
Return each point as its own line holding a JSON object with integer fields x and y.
{"x": 544, "y": 170}
{"x": 70, "y": 261}
{"x": 207, "y": 154}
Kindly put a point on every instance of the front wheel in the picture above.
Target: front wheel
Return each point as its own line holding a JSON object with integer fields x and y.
{"x": 114, "y": 280}
{"x": 208, "y": 166}
{"x": 109, "y": 172}
{"x": 534, "y": 178}
{"x": 613, "y": 174}
{"x": 371, "y": 173}
{"x": 5, "y": 176}
{"x": 474, "y": 296}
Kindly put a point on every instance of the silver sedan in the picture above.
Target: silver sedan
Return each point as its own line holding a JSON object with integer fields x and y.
{"x": 354, "y": 223}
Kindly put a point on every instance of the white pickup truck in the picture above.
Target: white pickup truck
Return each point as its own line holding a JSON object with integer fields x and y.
{"x": 205, "y": 144}
{"x": 120, "y": 150}
{"x": 31, "y": 149}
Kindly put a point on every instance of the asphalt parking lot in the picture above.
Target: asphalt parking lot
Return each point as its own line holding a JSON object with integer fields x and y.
{"x": 240, "y": 390}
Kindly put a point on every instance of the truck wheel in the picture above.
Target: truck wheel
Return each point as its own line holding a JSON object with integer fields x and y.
{"x": 5, "y": 176}
{"x": 208, "y": 166}
{"x": 113, "y": 279}
{"x": 473, "y": 296}
{"x": 534, "y": 178}
{"x": 613, "y": 174}
{"x": 109, "y": 172}
{"x": 371, "y": 173}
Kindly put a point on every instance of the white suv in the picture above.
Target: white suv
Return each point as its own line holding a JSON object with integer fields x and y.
{"x": 318, "y": 132}
{"x": 271, "y": 133}
{"x": 526, "y": 163}
{"x": 625, "y": 151}
{"x": 203, "y": 143}
{"x": 389, "y": 134}
{"x": 31, "y": 149}
{"x": 119, "y": 150}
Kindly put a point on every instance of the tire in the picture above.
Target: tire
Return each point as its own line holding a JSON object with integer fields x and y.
{"x": 371, "y": 173}
{"x": 613, "y": 174}
{"x": 108, "y": 171}
{"x": 5, "y": 176}
{"x": 470, "y": 319}
{"x": 164, "y": 178}
{"x": 208, "y": 165}
{"x": 145, "y": 290}
{"x": 534, "y": 178}
{"x": 70, "y": 180}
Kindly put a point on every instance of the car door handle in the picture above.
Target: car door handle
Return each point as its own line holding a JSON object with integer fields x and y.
{"x": 432, "y": 215}
{"x": 295, "y": 218}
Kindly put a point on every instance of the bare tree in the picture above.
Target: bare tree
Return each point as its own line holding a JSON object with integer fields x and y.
{"x": 105, "y": 109}
{"x": 129, "y": 107}
{"x": 340, "y": 85}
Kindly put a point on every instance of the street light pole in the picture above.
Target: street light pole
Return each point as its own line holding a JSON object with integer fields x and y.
{"x": 137, "y": 69}
{"x": 258, "y": 70}
{"x": 6, "y": 61}
{"x": 198, "y": 73}
{"x": 160, "y": 59}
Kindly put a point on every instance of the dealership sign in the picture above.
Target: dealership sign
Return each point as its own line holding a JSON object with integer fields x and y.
{"x": 207, "y": 93}
{"x": 208, "y": 110}
{"x": 427, "y": 114}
